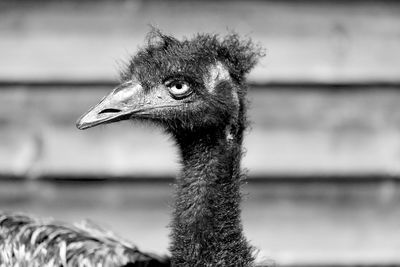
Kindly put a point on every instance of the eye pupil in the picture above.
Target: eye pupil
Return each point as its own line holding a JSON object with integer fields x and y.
{"x": 178, "y": 86}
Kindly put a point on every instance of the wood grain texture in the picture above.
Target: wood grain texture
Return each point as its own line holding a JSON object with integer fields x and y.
{"x": 313, "y": 41}
{"x": 295, "y": 132}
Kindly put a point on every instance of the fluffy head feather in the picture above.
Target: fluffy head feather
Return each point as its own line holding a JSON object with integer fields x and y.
{"x": 166, "y": 56}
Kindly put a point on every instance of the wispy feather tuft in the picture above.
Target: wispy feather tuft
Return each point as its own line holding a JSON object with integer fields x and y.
{"x": 163, "y": 53}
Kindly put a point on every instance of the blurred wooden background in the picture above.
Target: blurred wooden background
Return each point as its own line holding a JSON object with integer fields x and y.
{"x": 325, "y": 114}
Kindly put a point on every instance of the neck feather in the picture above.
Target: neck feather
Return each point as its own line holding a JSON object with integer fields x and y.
{"x": 207, "y": 229}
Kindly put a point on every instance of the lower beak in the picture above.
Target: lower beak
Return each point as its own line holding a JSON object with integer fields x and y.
{"x": 120, "y": 104}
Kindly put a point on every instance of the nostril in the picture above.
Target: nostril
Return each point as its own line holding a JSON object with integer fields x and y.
{"x": 110, "y": 110}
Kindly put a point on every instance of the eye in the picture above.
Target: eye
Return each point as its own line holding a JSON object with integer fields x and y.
{"x": 179, "y": 89}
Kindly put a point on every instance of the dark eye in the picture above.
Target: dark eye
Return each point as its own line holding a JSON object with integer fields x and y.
{"x": 179, "y": 89}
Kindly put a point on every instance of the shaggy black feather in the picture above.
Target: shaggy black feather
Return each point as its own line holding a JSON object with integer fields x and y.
{"x": 165, "y": 56}
{"x": 208, "y": 129}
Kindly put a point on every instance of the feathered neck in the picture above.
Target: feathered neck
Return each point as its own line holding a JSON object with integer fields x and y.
{"x": 207, "y": 229}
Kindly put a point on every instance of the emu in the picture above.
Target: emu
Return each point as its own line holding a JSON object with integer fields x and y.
{"x": 195, "y": 89}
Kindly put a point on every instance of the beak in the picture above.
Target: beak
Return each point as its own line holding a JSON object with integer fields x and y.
{"x": 120, "y": 104}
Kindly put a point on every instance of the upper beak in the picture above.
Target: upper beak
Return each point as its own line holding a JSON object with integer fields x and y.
{"x": 120, "y": 104}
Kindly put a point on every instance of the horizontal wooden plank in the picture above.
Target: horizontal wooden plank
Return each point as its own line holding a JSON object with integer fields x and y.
{"x": 294, "y": 132}
{"x": 301, "y": 224}
{"x": 313, "y": 41}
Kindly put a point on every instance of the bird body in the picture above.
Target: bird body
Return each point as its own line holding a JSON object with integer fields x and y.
{"x": 30, "y": 242}
{"x": 196, "y": 91}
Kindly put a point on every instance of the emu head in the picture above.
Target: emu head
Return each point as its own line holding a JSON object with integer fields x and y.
{"x": 184, "y": 85}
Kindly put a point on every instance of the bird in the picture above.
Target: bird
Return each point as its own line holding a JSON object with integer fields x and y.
{"x": 195, "y": 90}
